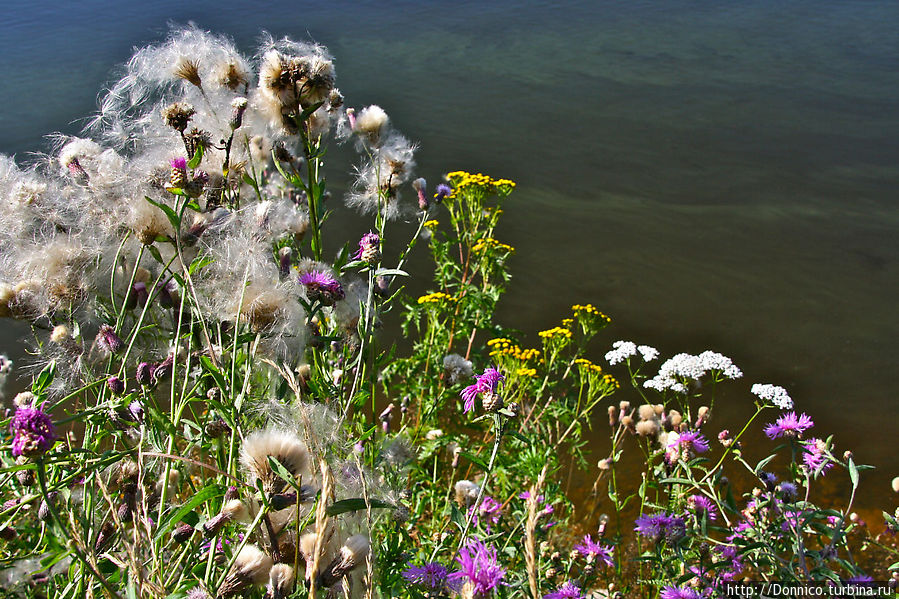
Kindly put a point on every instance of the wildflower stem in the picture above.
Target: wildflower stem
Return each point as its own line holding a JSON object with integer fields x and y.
{"x": 498, "y": 427}
{"x": 73, "y": 546}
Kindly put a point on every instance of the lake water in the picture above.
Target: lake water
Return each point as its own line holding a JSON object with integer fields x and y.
{"x": 713, "y": 175}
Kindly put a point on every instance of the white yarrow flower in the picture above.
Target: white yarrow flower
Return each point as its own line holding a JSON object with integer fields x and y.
{"x": 774, "y": 394}
{"x": 683, "y": 367}
{"x": 621, "y": 352}
{"x": 649, "y": 353}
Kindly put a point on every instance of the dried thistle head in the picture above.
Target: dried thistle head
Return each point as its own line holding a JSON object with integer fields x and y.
{"x": 281, "y": 581}
{"x": 189, "y": 70}
{"x": 251, "y": 566}
{"x": 352, "y": 554}
{"x": 233, "y": 75}
{"x": 177, "y": 115}
{"x": 283, "y": 446}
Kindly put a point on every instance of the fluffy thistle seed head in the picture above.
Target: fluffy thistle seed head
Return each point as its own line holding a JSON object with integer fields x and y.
{"x": 283, "y": 446}
{"x": 251, "y": 566}
{"x": 280, "y": 581}
{"x": 351, "y": 555}
{"x": 647, "y": 428}
{"x": 466, "y": 492}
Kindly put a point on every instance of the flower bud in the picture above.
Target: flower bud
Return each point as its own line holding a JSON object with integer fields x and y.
{"x": 238, "y": 107}
{"x": 116, "y": 385}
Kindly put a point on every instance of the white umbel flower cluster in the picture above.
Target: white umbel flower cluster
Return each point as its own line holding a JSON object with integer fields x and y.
{"x": 622, "y": 350}
{"x": 676, "y": 371}
{"x": 773, "y": 394}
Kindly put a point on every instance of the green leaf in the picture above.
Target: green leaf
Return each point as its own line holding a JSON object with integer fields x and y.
{"x": 676, "y": 480}
{"x": 198, "y": 157}
{"x": 763, "y": 463}
{"x": 473, "y": 458}
{"x": 308, "y": 111}
{"x": 283, "y": 472}
{"x": 520, "y": 437}
{"x": 200, "y": 262}
{"x": 205, "y": 494}
{"x": 456, "y": 517}
{"x": 853, "y": 473}
{"x": 173, "y": 217}
{"x": 383, "y": 272}
{"x": 44, "y": 379}
{"x": 354, "y": 505}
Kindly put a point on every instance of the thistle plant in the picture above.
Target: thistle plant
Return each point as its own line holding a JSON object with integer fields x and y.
{"x": 213, "y": 411}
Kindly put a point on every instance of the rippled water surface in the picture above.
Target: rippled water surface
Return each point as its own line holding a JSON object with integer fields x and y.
{"x": 711, "y": 174}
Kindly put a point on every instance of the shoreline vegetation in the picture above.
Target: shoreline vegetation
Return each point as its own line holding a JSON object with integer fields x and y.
{"x": 213, "y": 412}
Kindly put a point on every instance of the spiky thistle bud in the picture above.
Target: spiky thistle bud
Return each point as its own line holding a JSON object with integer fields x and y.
{"x": 421, "y": 187}
{"x": 178, "y": 174}
{"x": 369, "y": 248}
{"x": 285, "y": 258}
{"x": 238, "y": 107}
{"x": 108, "y": 340}
{"x": 183, "y": 533}
{"x": 116, "y": 385}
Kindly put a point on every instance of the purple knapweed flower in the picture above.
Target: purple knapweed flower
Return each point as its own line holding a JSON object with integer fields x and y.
{"x": 486, "y": 383}
{"x": 369, "y": 248}
{"x": 490, "y": 510}
{"x": 443, "y": 190}
{"x": 700, "y": 504}
{"x": 768, "y": 479}
{"x": 789, "y": 491}
{"x": 108, "y": 340}
{"x": 789, "y": 425}
{"x": 431, "y": 576}
{"x": 671, "y": 592}
{"x": 569, "y": 590}
{"x": 657, "y": 526}
{"x": 179, "y": 163}
{"x": 685, "y": 441}
{"x": 594, "y": 551}
{"x": 32, "y": 431}
{"x": 480, "y": 569}
{"x": 321, "y": 286}
{"x": 815, "y": 456}
{"x": 694, "y": 440}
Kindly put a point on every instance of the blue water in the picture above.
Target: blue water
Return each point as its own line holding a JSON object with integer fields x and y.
{"x": 712, "y": 174}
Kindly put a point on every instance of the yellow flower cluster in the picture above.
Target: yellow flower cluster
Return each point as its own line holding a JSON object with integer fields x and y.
{"x": 492, "y": 244}
{"x": 556, "y": 332}
{"x": 433, "y": 298}
{"x": 505, "y": 347}
{"x": 610, "y": 381}
{"x": 526, "y": 372}
{"x": 589, "y": 366}
{"x": 589, "y": 310}
{"x": 462, "y": 181}
{"x": 430, "y": 224}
